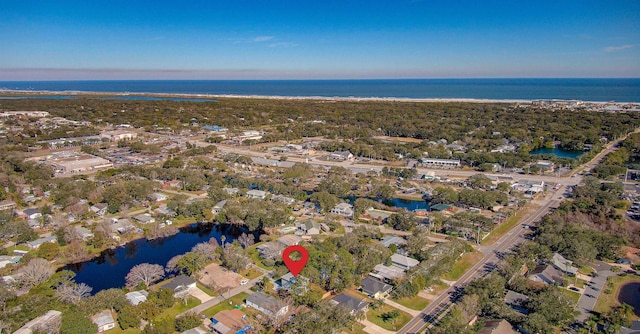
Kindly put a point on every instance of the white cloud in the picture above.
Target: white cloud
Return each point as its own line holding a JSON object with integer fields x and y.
{"x": 617, "y": 48}
{"x": 282, "y": 45}
{"x": 263, "y": 38}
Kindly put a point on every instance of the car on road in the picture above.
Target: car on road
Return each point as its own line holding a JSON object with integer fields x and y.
{"x": 590, "y": 296}
{"x": 244, "y": 281}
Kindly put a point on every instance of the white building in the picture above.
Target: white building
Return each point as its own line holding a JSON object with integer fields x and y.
{"x": 343, "y": 209}
{"x": 441, "y": 163}
{"x": 256, "y": 194}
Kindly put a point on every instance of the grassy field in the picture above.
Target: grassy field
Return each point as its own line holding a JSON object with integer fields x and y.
{"x": 606, "y": 301}
{"x": 249, "y": 273}
{"x": 414, "y": 303}
{"x": 375, "y": 317}
{"x": 179, "y": 307}
{"x": 462, "y": 265}
{"x": 572, "y": 295}
{"x": 235, "y": 300}
{"x": 255, "y": 258}
{"x": 501, "y": 230}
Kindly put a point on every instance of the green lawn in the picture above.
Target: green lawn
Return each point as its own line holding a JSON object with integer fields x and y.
{"x": 414, "y": 303}
{"x": 235, "y": 300}
{"x": 179, "y": 307}
{"x": 462, "y": 265}
{"x": 607, "y": 301}
{"x": 206, "y": 290}
{"x": 375, "y": 317}
{"x": 250, "y": 273}
{"x": 118, "y": 330}
{"x": 572, "y": 295}
{"x": 586, "y": 270}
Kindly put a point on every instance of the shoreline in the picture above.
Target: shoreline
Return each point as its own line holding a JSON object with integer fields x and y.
{"x": 282, "y": 97}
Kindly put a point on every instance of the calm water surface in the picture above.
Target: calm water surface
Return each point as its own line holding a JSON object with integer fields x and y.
{"x": 110, "y": 268}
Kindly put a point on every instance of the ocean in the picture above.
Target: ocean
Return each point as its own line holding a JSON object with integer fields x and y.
{"x": 600, "y": 90}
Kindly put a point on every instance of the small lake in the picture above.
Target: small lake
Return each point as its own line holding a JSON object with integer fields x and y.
{"x": 630, "y": 294}
{"x": 409, "y": 204}
{"x": 558, "y": 153}
{"x": 110, "y": 268}
{"x": 400, "y": 203}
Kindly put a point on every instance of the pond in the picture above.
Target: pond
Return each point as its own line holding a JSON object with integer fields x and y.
{"x": 110, "y": 268}
{"x": 560, "y": 153}
{"x": 400, "y": 203}
{"x": 630, "y": 294}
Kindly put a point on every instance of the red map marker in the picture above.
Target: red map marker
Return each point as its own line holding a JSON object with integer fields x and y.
{"x": 295, "y": 267}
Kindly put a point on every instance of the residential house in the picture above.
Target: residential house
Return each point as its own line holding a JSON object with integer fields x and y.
{"x": 283, "y": 199}
{"x": 266, "y": 304}
{"x": 388, "y": 273}
{"x": 32, "y": 213}
{"x": 353, "y": 305}
{"x": 164, "y": 211}
{"x": 36, "y": 243}
{"x": 104, "y": 320}
{"x": 563, "y": 264}
{"x": 218, "y": 207}
{"x": 376, "y": 215}
{"x": 7, "y": 205}
{"x": 180, "y": 285}
{"x": 144, "y": 219}
{"x": 343, "y": 209}
{"x": 7, "y": 259}
{"x": 83, "y": 232}
{"x": 257, "y": 194}
{"x": 288, "y": 282}
{"x": 231, "y": 191}
{"x": 393, "y": 240}
{"x": 545, "y": 165}
{"x": 50, "y": 320}
{"x": 122, "y": 225}
{"x": 137, "y": 297}
{"x": 309, "y": 227}
{"x": 158, "y": 197}
{"x": 546, "y": 274}
{"x": 289, "y": 240}
{"x": 375, "y": 288}
{"x": 230, "y": 322}
{"x": 196, "y": 330}
{"x": 403, "y": 262}
{"x": 497, "y": 327}
{"x": 270, "y": 250}
{"x": 516, "y": 301}
{"x": 99, "y": 209}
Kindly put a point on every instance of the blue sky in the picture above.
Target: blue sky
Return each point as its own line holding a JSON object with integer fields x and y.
{"x": 240, "y": 39}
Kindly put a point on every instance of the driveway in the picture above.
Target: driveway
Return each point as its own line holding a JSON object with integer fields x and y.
{"x": 201, "y": 295}
{"x": 593, "y": 288}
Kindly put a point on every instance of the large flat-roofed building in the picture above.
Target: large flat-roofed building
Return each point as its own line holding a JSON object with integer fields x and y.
{"x": 7, "y": 114}
{"x": 118, "y": 135}
{"x": 441, "y": 163}
{"x": 69, "y": 162}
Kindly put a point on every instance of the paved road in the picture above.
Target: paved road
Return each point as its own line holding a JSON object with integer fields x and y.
{"x": 491, "y": 253}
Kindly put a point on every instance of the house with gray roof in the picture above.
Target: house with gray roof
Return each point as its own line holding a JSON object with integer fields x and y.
{"x": 180, "y": 285}
{"x": 266, "y": 304}
{"x": 403, "y": 262}
{"x": 343, "y": 209}
{"x": 375, "y": 288}
{"x": 104, "y": 320}
{"x": 516, "y": 301}
{"x": 36, "y": 243}
{"x": 563, "y": 264}
{"x": 546, "y": 274}
{"x": 352, "y": 304}
{"x": 309, "y": 227}
{"x": 136, "y": 297}
{"x": 393, "y": 240}
{"x": 218, "y": 207}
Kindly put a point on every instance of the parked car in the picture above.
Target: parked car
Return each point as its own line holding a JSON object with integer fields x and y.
{"x": 573, "y": 288}
{"x": 244, "y": 281}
